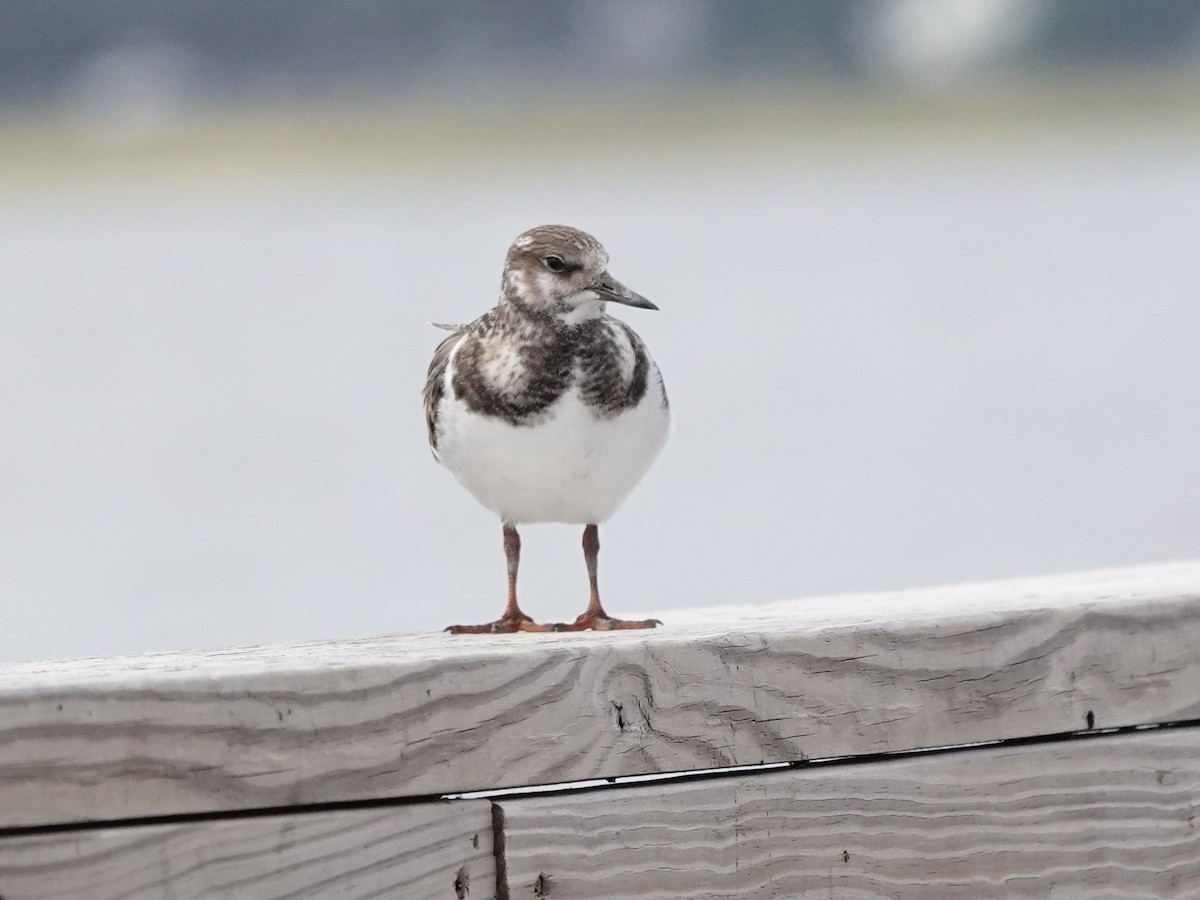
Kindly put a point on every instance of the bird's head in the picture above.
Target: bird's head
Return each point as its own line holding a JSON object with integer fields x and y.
{"x": 562, "y": 271}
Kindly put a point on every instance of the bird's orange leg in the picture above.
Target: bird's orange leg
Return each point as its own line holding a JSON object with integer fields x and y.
{"x": 595, "y": 617}
{"x": 513, "y": 619}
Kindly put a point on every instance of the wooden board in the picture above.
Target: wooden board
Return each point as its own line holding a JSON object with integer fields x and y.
{"x": 1110, "y": 817}
{"x": 430, "y": 714}
{"x": 439, "y": 851}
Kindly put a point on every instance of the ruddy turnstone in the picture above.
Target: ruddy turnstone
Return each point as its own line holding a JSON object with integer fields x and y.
{"x": 546, "y": 408}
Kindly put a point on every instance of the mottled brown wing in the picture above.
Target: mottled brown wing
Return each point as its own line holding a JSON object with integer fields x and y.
{"x": 434, "y": 383}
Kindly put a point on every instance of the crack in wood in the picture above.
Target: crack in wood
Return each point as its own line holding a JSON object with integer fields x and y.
{"x": 498, "y": 852}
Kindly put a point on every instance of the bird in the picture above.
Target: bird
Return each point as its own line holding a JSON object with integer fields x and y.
{"x": 548, "y": 409}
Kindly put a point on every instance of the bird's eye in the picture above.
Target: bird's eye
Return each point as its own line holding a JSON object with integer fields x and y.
{"x": 555, "y": 264}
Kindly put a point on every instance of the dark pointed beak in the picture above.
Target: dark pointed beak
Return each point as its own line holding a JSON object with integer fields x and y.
{"x": 609, "y": 289}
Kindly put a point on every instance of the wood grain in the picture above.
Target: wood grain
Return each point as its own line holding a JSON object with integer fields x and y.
{"x": 1113, "y": 817}
{"x": 439, "y": 851}
{"x": 430, "y": 714}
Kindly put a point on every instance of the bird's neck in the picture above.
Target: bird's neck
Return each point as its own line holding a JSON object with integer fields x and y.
{"x": 557, "y": 314}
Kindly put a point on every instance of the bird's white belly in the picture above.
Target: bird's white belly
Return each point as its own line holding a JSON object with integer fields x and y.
{"x": 570, "y": 466}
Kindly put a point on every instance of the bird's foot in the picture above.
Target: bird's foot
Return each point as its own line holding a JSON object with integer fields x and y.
{"x": 504, "y": 625}
{"x": 603, "y": 622}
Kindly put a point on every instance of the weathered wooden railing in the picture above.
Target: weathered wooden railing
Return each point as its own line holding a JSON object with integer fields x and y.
{"x": 339, "y": 769}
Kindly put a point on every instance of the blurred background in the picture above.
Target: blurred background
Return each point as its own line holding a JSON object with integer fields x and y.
{"x": 928, "y": 276}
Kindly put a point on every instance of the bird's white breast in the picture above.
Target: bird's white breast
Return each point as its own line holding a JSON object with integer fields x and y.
{"x": 570, "y": 465}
